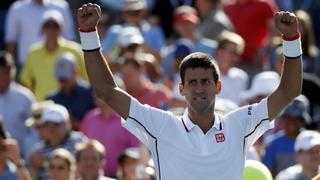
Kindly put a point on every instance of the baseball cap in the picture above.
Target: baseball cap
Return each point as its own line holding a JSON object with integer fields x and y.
{"x": 130, "y": 35}
{"x": 133, "y": 5}
{"x": 55, "y": 113}
{"x": 52, "y": 16}
{"x": 183, "y": 48}
{"x": 263, "y": 83}
{"x": 306, "y": 140}
{"x": 131, "y": 152}
{"x": 299, "y": 107}
{"x": 37, "y": 109}
{"x": 186, "y": 13}
{"x": 65, "y": 66}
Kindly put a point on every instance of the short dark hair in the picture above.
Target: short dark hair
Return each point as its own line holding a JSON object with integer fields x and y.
{"x": 199, "y": 60}
{"x": 6, "y": 59}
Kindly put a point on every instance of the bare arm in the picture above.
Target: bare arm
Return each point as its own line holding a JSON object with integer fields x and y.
{"x": 99, "y": 73}
{"x": 291, "y": 79}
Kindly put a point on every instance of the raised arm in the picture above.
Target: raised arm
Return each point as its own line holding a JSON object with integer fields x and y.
{"x": 291, "y": 78}
{"x": 100, "y": 76}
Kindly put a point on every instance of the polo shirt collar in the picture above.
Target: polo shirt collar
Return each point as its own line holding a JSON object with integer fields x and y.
{"x": 188, "y": 124}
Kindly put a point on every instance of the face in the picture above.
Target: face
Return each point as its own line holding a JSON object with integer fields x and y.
{"x": 310, "y": 158}
{"x": 58, "y": 169}
{"x": 129, "y": 168}
{"x": 130, "y": 76}
{"x": 89, "y": 163}
{"x": 199, "y": 90}
{"x": 228, "y": 56}
{"x": 51, "y": 30}
{"x": 55, "y": 132}
{"x": 185, "y": 28}
{"x": 5, "y": 78}
{"x": 67, "y": 84}
{"x": 292, "y": 125}
{"x": 133, "y": 16}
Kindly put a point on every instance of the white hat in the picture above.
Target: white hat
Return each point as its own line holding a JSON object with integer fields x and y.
{"x": 52, "y": 15}
{"x": 130, "y": 35}
{"x": 307, "y": 140}
{"x": 55, "y": 113}
{"x": 65, "y": 66}
{"x": 133, "y": 5}
{"x": 263, "y": 83}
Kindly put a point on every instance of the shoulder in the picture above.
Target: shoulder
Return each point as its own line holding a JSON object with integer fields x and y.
{"x": 289, "y": 173}
{"x": 21, "y": 92}
{"x": 237, "y": 72}
{"x": 19, "y": 5}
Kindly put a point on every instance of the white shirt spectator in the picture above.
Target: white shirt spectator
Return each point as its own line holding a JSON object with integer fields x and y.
{"x": 24, "y": 19}
{"x": 235, "y": 82}
{"x": 181, "y": 150}
{"x": 15, "y": 107}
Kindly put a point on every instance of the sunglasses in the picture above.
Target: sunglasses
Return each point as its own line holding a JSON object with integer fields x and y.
{"x": 57, "y": 167}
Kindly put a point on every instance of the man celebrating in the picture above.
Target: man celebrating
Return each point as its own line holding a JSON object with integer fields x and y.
{"x": 200, "y": 144}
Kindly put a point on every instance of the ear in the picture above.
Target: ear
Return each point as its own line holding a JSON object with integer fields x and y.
{"x": 218, "y": 87}
{"x": 181, "y": 89}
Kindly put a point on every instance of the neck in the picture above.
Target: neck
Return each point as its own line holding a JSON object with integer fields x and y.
{"x": 52, "y": 45}
{"x": 106, "y": 112}
{"x": 204, "y": 120}
{"x": 88, "y": 177}
{"x": 310, "y": 172}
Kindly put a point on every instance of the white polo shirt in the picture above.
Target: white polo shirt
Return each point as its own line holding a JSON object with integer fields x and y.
{"x": 181, "y": 151}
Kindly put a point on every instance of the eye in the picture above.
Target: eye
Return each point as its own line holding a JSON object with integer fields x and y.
{"x": 192, "y": 82}
{"x": 206, "y": 82}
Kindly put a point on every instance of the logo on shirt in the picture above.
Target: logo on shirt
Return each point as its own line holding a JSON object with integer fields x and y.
{"x": 220, "y": 137}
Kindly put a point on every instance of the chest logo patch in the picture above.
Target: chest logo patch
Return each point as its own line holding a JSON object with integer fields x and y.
{"x": 220, "y": 137}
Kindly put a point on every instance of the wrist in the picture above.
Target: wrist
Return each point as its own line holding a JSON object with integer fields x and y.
{"x": 291, "y": 46}
{"x": 89, "y": 39}
{"x": 19, "y": 163}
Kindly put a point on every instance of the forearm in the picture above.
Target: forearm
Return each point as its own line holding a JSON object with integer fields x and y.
{"x": 22, "y": 171}
{"x": 99, "y": 73}
{"x": 291, "y": 79}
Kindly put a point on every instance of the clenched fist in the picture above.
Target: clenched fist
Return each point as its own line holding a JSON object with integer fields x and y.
{"x": 286, "y": 23}
{"x": 88, "y": 16}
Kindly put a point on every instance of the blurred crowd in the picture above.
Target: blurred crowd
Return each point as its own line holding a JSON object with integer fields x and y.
{"x": 52, "y": 126}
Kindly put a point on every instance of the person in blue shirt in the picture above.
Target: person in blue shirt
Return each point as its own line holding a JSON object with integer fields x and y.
{"x": 75, "y": 94}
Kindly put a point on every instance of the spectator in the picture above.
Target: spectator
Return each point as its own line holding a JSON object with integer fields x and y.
{"x": 280, "y": 151}
{"x": 15, "y": 100}
{"x": 133, "y": 14}
{"x": 56, "y": 122}
{"x": 104, "y": 125}
{"x": 263, "y": 84}
{"x": 140, "y": 87}
{"x": 311, "y": 55}
{"x": 11, "y": 163}
{"x": 128, "y": 163}
{"x": 38, "y": 132}
{"x": 74, "y": 93}
{"x": 307, "y": 152}
{"x": 214, "y": 19}
{"x": 248, "y": 13}
{"x": 38, "y": 71}
{"x": 24, "y": 25}
{"x": 186, "y": 23}
{"x": 61, "y": 165}
{"x": 230, "y": 47}
{"x": 91, "y": 160}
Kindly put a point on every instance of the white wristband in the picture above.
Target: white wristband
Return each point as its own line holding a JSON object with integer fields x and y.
{"x": 292, "y": 49}
{"x": 89, "y": 41}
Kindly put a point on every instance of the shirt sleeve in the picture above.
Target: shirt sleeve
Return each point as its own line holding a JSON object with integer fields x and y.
{"x": 12, "y": 23}
{"x": 257, "y": 122}
{"x": 145, "y": 122}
